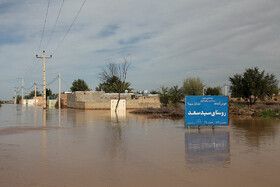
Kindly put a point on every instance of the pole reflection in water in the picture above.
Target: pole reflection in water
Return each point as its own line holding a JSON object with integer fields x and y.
{"x": 35, "y": 115}
{"x": 22, "y": 114}
{"x": 59, "y": 117}
{"x": 212, "y": 148}
{"x": 44, "y": 136}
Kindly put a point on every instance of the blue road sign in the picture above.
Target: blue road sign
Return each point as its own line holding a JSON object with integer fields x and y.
{"x": 206, "y": 110}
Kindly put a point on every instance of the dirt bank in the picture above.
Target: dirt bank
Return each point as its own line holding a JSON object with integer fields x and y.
{"x": 239, "y": 109}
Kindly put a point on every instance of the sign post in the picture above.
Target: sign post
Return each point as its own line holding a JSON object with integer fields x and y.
{"x": 206, "y": 110}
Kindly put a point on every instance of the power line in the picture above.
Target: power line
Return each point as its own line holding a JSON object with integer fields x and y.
{"x": 49, "y": 83}
{"x": 43, "y": 31}
{"x": 44, "y": 26}
{"x": 31, "y": 68}
{"x": 55, "y": 23}
{"x": 65, "y": 82}
{"x": 30, "y": 87}
{"x": 69, "y": 27}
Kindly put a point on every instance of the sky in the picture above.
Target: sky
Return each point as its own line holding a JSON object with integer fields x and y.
{"x": 166, "y": 41}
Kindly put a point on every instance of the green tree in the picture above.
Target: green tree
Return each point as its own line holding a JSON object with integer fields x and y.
{"x": 48, "y": 92}
{"x": 175, "y": 94}
{"x": 154, "y": 92}
{"x": 108, "y": 85}
{"x": 32, "y": 94}
{"x": 213, "y": 91}
{"x": 192, "y": 86}
{"x": 18, "y": 99}
{"x": 253, "y": 85}
{"x": 79, "y": 85}
{"x": 163, "y": 95}
{"x": 124, "y": 86}
{"x": 111, "y": 86}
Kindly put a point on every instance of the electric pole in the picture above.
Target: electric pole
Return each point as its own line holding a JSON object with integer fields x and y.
{"x": 226, "y": 89}
{"x": 203, "y": 91}
{"x": 44, "y": 76}
{"x": 22, "y": 84}
{"x": 15, "y": 100}
{"x": 35, "y": 93}
{"x": 59, "y": 96}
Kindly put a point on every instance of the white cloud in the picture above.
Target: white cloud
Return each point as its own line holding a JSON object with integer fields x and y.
{"x": 166, "y": 40}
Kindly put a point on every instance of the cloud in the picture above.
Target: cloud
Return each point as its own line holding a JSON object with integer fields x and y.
{"x": 108, "y": 30}
{"x": 166, "y": 40}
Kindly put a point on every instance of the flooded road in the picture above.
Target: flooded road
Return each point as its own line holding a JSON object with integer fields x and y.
{"x": 94, "y": 148}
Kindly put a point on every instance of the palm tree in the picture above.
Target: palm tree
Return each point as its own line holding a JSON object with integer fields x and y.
{"x": 163, "y": 95}
{"x": 176, "y": 94}
{"x": 124, "y": 86}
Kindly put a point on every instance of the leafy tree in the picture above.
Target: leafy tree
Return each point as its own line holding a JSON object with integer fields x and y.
{"x": 214, "y": 91}
{"x": 163, "y": 95}
{"x": 253, "y": 85}
{"x": 175, "y": 94}
{"x": 111, "y": 86}
{"x": 116, "y": 73}
{"x": 48, "y": 92}
{"x": 108, "y": 85}
{"x": 18, "y": 99}
{"x": 79, "y": 85}
{"x": 32, "y": 94}
{"x": 192, "y": 86}
{"x": 124, "y": 86}
{"x": 154, "y": 92}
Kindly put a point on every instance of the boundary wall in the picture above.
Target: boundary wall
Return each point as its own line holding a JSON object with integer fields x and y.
{"x": 102, "y": 100}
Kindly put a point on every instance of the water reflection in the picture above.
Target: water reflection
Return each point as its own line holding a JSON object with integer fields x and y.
{"x": 44, "y": 136}
{"x": 257, "y": 132}
{"x": 119, "y": 116}
{"x": 207, "y": 147}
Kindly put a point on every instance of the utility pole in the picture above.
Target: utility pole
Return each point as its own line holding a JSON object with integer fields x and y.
{"x": 59, "y": 96}
{"x": 22, "y": 86}
{"x": 44, "y": 76}
{"x": 15, "y": 100}
{"x": 226, "y": 89}
{"x": 35, "y": 93}
{"x": 203, "y": 91}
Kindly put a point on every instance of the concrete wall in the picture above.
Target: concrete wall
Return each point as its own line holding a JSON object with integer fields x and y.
{"x": 143, "y": 102}
{"x": 102, "y": 100}
{"x": 40, "y": 100}
{"x": 63, "y": 100}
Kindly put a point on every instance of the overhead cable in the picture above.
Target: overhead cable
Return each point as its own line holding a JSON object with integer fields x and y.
{"x": 69, "y": 28}
{"x": 55, "y": 23}
{"x": 49, "y": 83}
{"x": 30, "y": 87}
{"x": 65, "y": 82}
{"x": 44, "y": 26}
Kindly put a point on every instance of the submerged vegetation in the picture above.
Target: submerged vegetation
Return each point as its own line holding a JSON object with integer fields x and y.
{"x": 163, "y": 112}
{"x": 270, "y": 113}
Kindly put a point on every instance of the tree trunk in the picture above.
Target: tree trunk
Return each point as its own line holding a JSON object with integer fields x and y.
{"x": 119, "y": 98}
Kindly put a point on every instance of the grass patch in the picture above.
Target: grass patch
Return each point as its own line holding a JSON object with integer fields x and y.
{"x": 270, "y": 113}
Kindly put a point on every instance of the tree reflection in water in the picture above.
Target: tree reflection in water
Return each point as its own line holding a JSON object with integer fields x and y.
{"x": 257, "y": 132}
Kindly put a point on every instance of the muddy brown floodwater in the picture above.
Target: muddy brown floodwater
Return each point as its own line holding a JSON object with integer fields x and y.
{"x": 94, "y": 148}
